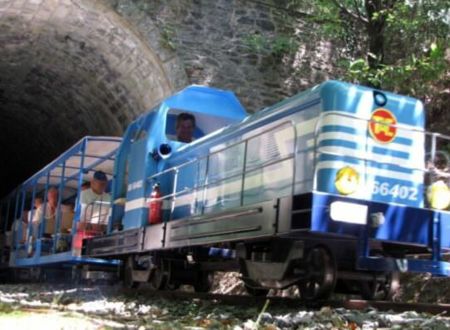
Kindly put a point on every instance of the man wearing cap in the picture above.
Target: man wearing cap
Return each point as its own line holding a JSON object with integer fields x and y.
{"x": 95, "y": 202}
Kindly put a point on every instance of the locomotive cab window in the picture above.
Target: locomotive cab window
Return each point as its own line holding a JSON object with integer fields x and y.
{"x": 187, "y": 126}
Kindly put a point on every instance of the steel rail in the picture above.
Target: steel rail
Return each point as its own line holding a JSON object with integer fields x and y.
{"x": 244, "y": 300}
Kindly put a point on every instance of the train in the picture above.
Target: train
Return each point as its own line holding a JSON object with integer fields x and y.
{"x": 337, "y": 189}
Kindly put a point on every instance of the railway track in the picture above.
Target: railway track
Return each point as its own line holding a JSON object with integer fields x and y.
{"x": 135, "y": 307}
{"x": 242, "y": 300}
{"x": 145, "y": 293}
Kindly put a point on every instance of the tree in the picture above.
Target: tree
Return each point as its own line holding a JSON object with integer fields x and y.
{"x": 396, "y": 45}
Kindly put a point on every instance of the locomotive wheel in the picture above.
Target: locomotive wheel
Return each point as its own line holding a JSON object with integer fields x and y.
{"x": 203, "y": 282}
{"x": 128, "y": 274}
{"x": 381, "y": 289}
{"x": 158, "y": 278}
{"x": 320, "y": 278}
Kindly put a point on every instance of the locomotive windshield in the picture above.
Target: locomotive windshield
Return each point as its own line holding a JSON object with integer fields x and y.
{"x": 187, "y": 126}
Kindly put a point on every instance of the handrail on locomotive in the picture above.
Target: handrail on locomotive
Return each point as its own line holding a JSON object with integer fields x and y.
{"x": 241, "y": 173}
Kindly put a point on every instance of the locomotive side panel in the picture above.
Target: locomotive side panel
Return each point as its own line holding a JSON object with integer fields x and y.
{"x": 258, "y": 164}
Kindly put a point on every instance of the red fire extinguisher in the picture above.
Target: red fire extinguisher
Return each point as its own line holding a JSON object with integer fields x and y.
{"x": 155, "y": 205}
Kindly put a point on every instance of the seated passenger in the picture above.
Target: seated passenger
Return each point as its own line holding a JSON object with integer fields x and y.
{"x": 22, "y": 225}
{"x": 38, "y": 202}
{"x": 94, "y": 201}
{"x": 185, "y": 127}
{"x": 50, "y": 211}
{"x": 67, "y": 214}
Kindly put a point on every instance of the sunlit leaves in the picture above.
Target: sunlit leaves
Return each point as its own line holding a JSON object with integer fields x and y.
{"x": 414, "y": 33}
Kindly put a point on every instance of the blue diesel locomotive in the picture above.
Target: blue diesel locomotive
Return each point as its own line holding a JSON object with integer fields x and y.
{"x": 338, "y": 188}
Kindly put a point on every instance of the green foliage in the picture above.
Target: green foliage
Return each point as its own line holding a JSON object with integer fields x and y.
{"x": 411, "y": 74}
{"x": 256, "y": 43}
{"x": 167, "y": 37}
{"x": 394, "y": 45}
{"x": 5, "y": 308}
{"x": 326, "y": 14}
{"x": 282, "y": 45}
{"x": 275, "y": 46}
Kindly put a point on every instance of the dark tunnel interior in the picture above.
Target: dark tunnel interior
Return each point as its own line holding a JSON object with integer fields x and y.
{"x": 49, "y": 98}
{"x": 59, "y": 83}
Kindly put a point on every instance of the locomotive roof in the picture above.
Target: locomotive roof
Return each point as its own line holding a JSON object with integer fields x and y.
{"x": 207, "y": 100}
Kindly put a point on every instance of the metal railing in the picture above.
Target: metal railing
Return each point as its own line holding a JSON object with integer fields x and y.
{"x": 203, "y": 187}
{"x": 96, "y": 212}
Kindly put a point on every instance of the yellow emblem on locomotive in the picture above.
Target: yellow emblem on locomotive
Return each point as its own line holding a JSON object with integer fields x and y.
{"x": 438, "y": 195}
{"x": 347, "y": 180}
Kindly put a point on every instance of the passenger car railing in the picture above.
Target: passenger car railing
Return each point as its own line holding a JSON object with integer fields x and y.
{"x": 96, "y": 213}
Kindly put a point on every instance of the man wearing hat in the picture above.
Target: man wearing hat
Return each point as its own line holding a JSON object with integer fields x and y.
{"x": 95, "y": 202}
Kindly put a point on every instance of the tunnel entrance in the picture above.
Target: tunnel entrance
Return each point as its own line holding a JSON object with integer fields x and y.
{"x": 67, "y": 69}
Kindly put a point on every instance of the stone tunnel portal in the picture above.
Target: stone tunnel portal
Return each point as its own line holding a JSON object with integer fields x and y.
{"x": 67, "y": 69}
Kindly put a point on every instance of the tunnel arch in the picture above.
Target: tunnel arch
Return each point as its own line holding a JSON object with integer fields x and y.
{"x": 68, "y": 69}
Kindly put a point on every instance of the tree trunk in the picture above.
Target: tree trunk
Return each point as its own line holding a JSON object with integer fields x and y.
{"x": 377, "y": 11}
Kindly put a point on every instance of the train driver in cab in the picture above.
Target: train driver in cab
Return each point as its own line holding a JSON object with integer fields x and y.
{"x": 95, "y": 200}
{"x": 185, "y": 127}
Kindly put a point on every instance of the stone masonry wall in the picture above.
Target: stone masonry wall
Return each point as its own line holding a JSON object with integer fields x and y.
{"x": 213, "y": 39}
{"x": 70, "y": 68}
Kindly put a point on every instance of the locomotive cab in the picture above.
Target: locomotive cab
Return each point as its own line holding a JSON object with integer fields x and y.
{"x": 151, "y": 141}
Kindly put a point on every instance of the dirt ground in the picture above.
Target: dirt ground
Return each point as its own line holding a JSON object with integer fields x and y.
{"x": 52, "y": 320}
{"x": 53, "y": 306}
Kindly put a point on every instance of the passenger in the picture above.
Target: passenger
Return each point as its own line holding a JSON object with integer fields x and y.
{"x": 23, "y": 222}
{"x": 185, "y": 127}
{"x": 50, "y": 209}
{"x": 38, "y": 202}
{"x": 67, "y": 214}
{"x": 95, "y": 201}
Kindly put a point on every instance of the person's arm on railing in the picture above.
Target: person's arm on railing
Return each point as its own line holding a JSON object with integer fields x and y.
{"x": 95, "y": 212}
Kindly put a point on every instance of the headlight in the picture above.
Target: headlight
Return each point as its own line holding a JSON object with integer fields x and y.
{"x": 438, "y": 195}
{"x": 349, "y": 212}
{"x": 347, "y": 180}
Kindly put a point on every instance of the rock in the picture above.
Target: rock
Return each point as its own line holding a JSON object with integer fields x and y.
{"x": 246, "y": 20}
{"x": 303, "y": 317}
{"x": 369, "y": 325}
{"x": 265, "y": 25}
{"x": 325, "y": 311}
{"x": 250, "y": 325}
{"x": 225, "y": 316}
{"x": 266, "y": 318}
{"x": 65, "y": 300}
{"x": 284, "y": 321}
{"x": 355, "y": 317}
